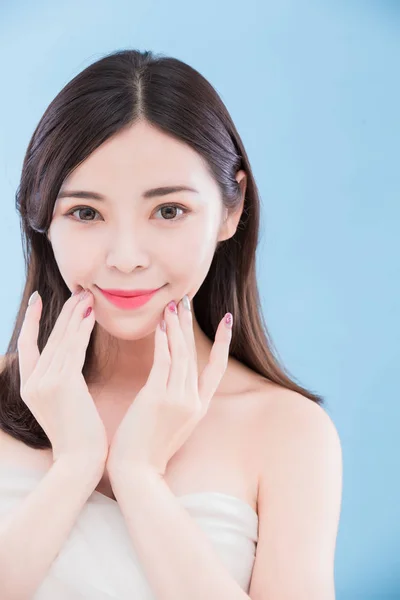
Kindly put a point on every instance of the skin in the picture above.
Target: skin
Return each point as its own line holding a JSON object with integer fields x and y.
{"x": 128, "y": 242}
{"x": 274, "y": 449}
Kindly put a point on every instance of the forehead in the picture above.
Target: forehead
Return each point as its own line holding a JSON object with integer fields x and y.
{"x": 141, "y": 157}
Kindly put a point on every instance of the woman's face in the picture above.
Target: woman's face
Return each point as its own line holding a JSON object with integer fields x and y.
{"x": 129, "y": 241}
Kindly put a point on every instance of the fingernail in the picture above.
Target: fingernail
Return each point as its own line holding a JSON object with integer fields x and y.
{"x": 186, "y": 302}
{"x": 172, "y": 307}
{"x": 87, "y": 312}
{"x": 228, "y": 320}
{"x": 33, "y": 298}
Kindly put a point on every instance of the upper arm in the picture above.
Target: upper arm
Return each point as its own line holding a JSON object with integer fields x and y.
{"x": 299, "y": 503}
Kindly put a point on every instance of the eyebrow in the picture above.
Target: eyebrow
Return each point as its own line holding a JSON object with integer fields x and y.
{"x": 152, "y": 193}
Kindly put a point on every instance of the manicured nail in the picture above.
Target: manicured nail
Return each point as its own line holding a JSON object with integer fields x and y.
{"x": 228, "y": 320}
{"x": 33, "y": 298}
{"x": 172, "y": 307}
{"x": 186, "y": 302}
{"x": 87, "y": 312}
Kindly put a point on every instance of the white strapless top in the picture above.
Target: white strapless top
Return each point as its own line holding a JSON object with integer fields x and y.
{"x": 98, "y": 560}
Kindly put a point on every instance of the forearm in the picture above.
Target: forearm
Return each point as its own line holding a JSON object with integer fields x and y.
{"x": 178, "y": 560}
{"x": 32, "y": 534}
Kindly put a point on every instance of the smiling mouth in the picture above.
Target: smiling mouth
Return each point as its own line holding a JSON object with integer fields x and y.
{"x": 129, "y": 293}
{"x": 129, "y": 302}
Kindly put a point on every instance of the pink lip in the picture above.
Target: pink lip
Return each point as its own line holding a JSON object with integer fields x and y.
{"x": 128, "y": 293}
{"x": 129, "y": 302}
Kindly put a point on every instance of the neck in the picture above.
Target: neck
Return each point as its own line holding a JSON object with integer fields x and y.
{"x": 126, "y": 364}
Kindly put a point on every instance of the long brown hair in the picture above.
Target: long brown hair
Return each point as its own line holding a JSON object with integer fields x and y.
{"x": 106, "y": 97}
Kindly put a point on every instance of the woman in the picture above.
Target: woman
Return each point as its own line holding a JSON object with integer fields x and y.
{"x": 149, "y": 452}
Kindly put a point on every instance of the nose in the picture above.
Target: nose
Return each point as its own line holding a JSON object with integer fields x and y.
{"x": 127, "y": 251}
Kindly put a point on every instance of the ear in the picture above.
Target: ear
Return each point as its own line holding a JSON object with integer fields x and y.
{"x": 231, "y": 218}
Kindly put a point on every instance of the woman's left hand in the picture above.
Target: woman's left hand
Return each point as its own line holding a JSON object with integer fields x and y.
{"x": 174, "y": 399}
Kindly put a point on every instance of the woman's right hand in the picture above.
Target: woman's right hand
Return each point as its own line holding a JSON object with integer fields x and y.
{"x": 52, "y": 384}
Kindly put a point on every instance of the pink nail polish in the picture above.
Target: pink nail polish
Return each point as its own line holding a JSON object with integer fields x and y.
{"x": 228, "y": 320}
{"x": 172, "y": 307}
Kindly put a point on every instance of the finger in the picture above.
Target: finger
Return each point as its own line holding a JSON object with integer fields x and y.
{"x": 179, "y": 353}
{"x": 186, "y": 322}
{"x": 57, "y": 334}
{"x": 213, "y": 372}
{"x": 28, "y": 351}
{"x": 159, "y": 373}
{"x": 70, "y": 355}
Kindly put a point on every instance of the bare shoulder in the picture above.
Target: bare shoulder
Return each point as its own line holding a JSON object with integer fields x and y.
{"x": 285, "y": 409}
{"x": 290, "y": 425}
{"x": 280, "y": 429}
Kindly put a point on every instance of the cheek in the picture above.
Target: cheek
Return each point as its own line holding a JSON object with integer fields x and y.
{"x": 74, "y": 261}
{"x": 190, "y": 256}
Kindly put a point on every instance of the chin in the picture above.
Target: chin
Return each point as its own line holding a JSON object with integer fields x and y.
{"x": 135, "y": 331}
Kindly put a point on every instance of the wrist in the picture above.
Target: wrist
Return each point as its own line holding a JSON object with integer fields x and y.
{"x": 90, "y": 467}
{"x": 124, "y": 471}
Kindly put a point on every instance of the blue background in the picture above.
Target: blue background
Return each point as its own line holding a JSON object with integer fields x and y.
{"x": 313, "y": 88}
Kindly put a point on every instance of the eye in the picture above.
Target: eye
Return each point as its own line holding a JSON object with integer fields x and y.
{"x": 88, "y": 208}
{"x": 80, "y": 209}
{"x": 174, "y": 207}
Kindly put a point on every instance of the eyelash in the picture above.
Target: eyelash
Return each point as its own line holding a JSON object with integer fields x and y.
{"x": 76, "y": 208}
